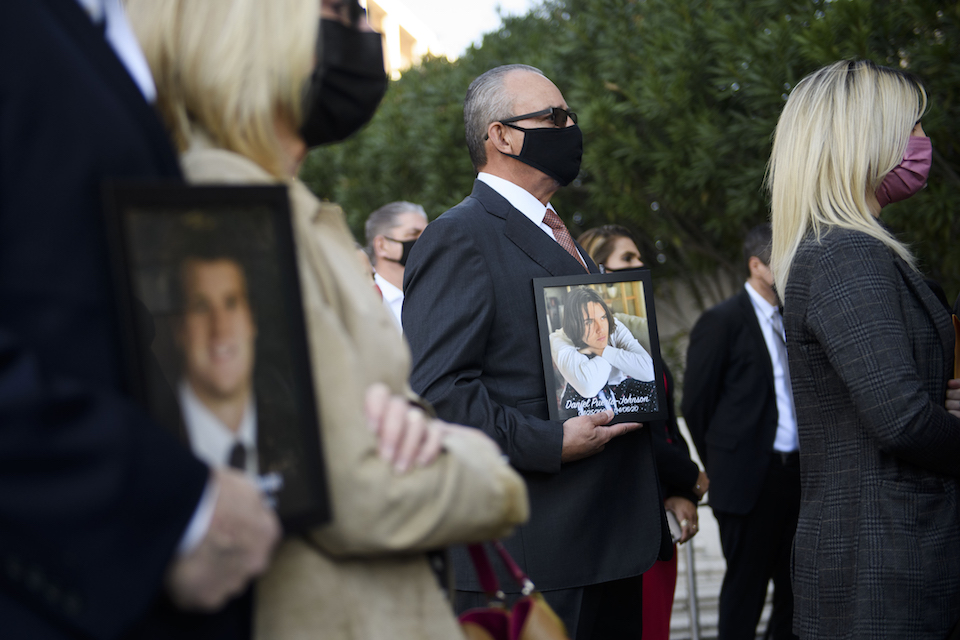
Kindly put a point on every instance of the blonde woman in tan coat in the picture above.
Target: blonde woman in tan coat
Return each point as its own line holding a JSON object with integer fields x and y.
{"x": 230, "y": 77}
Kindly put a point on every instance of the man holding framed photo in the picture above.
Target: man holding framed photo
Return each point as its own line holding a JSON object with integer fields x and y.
{"x": 471, "y": 321}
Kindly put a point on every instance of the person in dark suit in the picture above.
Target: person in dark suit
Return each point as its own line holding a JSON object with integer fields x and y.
{"x": 95, "y": 498}
{"x": 738, "y": 405}
{"x": 871, "y": 348}
{"x": 614, "y": 248}
{"x": 597, "y": 519}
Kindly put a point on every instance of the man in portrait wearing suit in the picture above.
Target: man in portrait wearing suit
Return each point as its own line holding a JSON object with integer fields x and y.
{"x": 216, "y": 336}
{"x": 596, "y": 513}
{"x": 235, "y": 410}
{"x": 738, "y": 404}
{"x": 101, "y": 510}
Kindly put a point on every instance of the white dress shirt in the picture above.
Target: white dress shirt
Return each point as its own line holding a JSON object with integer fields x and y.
{"x": 120, "y": 36}
{"x": 210, "y": 439}
{"x": 392, "y": 299}
{"x": 521, "y": 200}
{"x": 786, "y": 438}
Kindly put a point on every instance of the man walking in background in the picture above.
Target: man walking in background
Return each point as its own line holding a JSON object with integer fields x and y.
{"x": 738, "y": 404}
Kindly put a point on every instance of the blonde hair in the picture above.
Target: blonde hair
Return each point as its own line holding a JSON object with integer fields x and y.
{"x": 230, "y": 67}
{"x": 842, "y": 130}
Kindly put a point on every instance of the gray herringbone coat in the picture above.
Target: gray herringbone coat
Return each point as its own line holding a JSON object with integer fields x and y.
{"x": 877, "y": 549}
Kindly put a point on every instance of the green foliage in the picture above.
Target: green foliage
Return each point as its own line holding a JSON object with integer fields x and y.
{"x": 678, "y": 100}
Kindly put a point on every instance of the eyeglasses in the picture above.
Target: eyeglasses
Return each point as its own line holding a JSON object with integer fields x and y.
{"x": 559, "y": 116}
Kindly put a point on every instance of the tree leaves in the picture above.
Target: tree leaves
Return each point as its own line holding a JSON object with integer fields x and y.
{"x": 678, "y": 100}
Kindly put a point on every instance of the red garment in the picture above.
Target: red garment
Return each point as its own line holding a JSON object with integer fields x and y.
{"x": 659, "y": 584}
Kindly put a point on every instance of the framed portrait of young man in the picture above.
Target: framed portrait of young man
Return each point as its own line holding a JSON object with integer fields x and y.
{"x": 598, "y": 338}
{"x": 216, "y": 343}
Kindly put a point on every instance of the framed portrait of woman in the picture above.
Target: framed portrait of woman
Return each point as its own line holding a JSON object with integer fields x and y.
{"x": 600, "y": 347}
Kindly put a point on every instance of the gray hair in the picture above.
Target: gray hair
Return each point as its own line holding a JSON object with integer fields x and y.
{"x": 385, "y": 218}
{"x": 486, "y": 102}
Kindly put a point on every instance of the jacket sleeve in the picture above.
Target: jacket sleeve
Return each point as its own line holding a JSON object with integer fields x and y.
{"x": 678, "y": 472}
{"x": 469, "y": 493}
{"x": 448, "y": 310}
{"x": 853, "y": 314}
{"x": 94, "y": 496}
{"x": 707, "y": 358}
{"x": 627, "y": 354}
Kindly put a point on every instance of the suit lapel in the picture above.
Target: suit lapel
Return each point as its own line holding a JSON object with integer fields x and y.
{"x": 938, "y": 315}
{"x": 753, "y": 324}
{"x": 76, "y": 24}
{"x": 528, "y": 237}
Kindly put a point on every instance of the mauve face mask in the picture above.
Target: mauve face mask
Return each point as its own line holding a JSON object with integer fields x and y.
{"x": 908, "y": 177}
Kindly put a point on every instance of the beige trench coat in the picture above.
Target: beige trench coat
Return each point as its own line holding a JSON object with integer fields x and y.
{"x": 372, "y": 581}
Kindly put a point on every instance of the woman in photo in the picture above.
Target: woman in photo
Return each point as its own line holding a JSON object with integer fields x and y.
{"x": 599, "y": 359}
{"x": 870, "y": 351}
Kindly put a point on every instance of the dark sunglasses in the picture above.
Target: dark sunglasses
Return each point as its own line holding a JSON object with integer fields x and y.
{"x": 558, "y": 114}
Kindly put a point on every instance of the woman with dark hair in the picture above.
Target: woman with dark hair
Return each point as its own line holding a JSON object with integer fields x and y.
{"x": 870, "y": 350}
{"x": 599, "y": 358}
{"x": 614, "y": 248}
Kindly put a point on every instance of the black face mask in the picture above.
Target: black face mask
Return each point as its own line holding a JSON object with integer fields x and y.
{"x": 346, "y": 86}
{"x": 407, "y": 245}
{"x": 556, "y": 152}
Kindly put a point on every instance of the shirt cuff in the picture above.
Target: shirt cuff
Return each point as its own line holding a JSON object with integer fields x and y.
{"x": 200, "y": 522}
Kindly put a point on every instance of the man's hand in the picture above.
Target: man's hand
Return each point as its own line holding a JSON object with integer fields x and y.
{"x": 686, "y": 513}
{"x": 702, "y": 485}
{"x": 237, "y": 547}
{"x": 585, "y": 436}
{"x": 407, "y": 436}
{"x": 953, "y": 397}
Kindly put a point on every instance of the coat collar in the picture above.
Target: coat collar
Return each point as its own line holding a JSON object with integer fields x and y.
{"x": 77, "y": 25}
{"x": 529, "y": 238}
{"x": 938, "y": 315}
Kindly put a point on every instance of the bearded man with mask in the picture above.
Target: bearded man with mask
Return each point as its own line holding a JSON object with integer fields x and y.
{"x": 391, "y": 232}
{"x": 597, "y": 518}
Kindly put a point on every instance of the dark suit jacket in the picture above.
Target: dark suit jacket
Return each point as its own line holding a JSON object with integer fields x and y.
{"x": 470, "y": 317}
{"x": 678, "y": 473}
{"x": 93, "y": 496}
{"x": 729, "y": 402}
{"x": 871, "y": 350}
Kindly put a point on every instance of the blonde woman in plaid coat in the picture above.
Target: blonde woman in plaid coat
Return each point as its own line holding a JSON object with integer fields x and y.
{"x": 877, "y": 548}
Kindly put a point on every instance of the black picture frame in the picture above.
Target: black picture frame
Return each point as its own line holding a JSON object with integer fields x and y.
{"x": 578, "y": 381}
{"x": 180, "y": 254}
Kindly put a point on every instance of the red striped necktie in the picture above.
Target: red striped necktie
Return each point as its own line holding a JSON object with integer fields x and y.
{"x": 563, "y": 237}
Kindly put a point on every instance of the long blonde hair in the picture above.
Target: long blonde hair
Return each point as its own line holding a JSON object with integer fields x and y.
{"x": 842, "y": 130}
{"x": 230, "y": 67}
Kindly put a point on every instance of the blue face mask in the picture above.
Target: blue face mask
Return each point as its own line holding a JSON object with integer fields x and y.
{"x": 555, "y": 152}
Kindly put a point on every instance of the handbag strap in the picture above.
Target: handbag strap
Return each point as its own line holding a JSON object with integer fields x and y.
{"x": 526, "y": 585}
{"x": 488, "y": 578}
{"x": 485, "y": 574}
